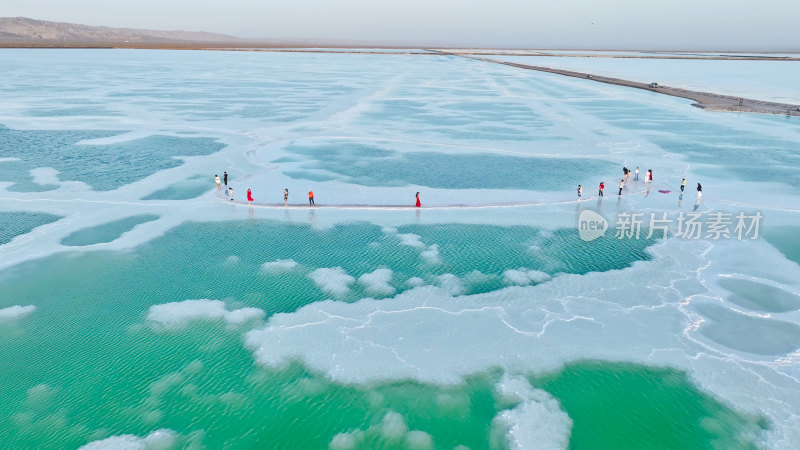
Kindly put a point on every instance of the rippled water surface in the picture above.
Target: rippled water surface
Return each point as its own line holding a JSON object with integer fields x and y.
{"x": 143, "y": 306}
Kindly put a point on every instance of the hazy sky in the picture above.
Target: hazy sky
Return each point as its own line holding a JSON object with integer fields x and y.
{"x": 620, "y": 24}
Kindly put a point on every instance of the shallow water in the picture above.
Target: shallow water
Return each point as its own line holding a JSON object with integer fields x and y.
{"x": 141, "y": 306}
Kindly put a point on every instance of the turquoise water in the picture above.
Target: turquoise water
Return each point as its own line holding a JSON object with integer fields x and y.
{"x": 108, "y": 167}
{"x": 85, "y": 291}
{"x": 17, "y": 223}
{"x": 18, "y": 172}
{"x": 738, "y": 153}
{"x": 482, "y": 319}
{"x": 190, "y": 188}
{"x": 457, "y": 119}
{"x": 106, "y": 232}
{"x": 375, "y": 166}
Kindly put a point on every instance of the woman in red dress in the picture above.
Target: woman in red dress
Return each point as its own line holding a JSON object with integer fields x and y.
{"x": 249, "y": 196}
{"x": 418, "y": 203}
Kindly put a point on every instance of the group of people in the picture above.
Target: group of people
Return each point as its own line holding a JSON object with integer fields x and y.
{"x": 230, "y": 188}
{"x": 648, "y": 178}
{"x": 625, "y": 171}
{"x": 311, "y": 202}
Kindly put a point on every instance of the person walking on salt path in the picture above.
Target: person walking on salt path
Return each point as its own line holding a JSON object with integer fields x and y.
{"x": 216, "y": 180}
{"x": 230, "y": 192}
{"x": 602, "y": 186}
{"x": 580, "y": 191}
{"x": 225, "y": 177}
{"x": 311, "y": 197}
{"x": 650, "y": 175}
{"x": 625, "y": 172}
{"x": 419, "y": 205}
{"x": 285, "y": 197}
{"x": 249, "y": 196}
{"x": 683, "y": 184}
{"x": 621, "y": 185}
{"x": 699, "y": 191}
{"x": 636, "y": 175}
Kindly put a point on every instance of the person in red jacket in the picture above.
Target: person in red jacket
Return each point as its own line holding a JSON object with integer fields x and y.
{"x": 311, "y": 197}
{"x": 602, "y": 186}
{"x": 418, "y": 203}
{"x": 249, "y": 196}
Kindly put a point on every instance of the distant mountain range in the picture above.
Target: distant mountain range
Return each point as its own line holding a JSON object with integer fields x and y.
{"x": 27, "y": 32}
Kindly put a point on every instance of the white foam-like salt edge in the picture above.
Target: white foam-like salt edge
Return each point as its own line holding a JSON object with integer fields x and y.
{"x": 100, "y": 207}
{"x": 415, "y": 282}
{"x": 419, "y": 440}
{"x": 377, "y": 282}
{"x": 176, "y": 314}
{"x": 537, "y": 328}
{"x": 16, "y": 312}
{"x": 392, "y": 429}
{"x": 45, "y": 176}
{"x": 431, "y": 255}
{"x": 162, "y": 439}
{"x": 345, "y": 441}
{"x": 627, "y": 144}
{"x": 450, "y": 284}
{"x": 410, "y": 239}
{"x": 393, "y": 426}
{"x": 536, "y": 422}
{"x": 279, "y": 266}
{"x": 333, "y": 281}
{"x": 524, "y": 277}
{"x": 431, "y": 252}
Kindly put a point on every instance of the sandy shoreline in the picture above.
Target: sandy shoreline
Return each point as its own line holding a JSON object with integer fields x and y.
{"x": 397, "y": 50}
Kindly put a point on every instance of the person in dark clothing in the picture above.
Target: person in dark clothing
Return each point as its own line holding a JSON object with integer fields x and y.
{"x": 225, "y": 178}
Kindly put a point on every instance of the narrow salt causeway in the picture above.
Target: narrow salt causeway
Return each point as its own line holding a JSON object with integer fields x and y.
{"x": 141, "y": 307}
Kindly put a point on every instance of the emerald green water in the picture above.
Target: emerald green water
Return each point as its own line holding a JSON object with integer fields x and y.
{"x": 629, "y": 406}
{"x": 94, "y": 367}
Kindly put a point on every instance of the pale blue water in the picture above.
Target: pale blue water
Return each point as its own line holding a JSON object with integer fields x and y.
{"x": 106, "y": 232}
{"x": 764, "y": 80}
{"x": 152, "y": 302}
{"x": 189, "y": 188}
{"x": 374, "y": 166}
{"x": 104, "y": 167}
{"x": 16, "y": 223}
